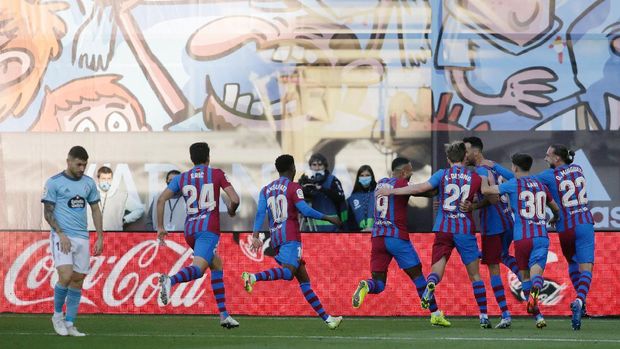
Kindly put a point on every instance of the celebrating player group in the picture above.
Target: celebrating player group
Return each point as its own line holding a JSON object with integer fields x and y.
{"x": 512, "y": 206}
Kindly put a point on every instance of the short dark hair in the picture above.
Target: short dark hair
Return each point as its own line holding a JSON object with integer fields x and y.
{"x": 199, "y": 152}
{"x": 474, "y": 141}
{"x": 318, "y": 157}
{"x": 522, "y": 161}
{"x": 284, "y": 163}
{"x": 455, "y": 151}
{"x": 78, "y": 152}
{"x": 398, "y": 162}
{"x": 103, "y": 170}
{"x": 172, "y": 172}
{"x": 564, "y": 153}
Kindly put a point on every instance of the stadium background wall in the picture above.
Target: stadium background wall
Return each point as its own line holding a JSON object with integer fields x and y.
{"x": 124, "y": 278}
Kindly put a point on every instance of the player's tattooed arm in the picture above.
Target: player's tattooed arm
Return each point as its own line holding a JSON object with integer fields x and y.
{"x": 48, "y": 214}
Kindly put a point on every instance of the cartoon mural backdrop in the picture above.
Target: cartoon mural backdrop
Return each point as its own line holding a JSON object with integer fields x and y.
{"x": 362, "y": 81}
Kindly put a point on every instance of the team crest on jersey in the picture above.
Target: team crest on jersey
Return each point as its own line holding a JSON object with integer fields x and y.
{"x": 300, "y": 194}
{"x": 356, "y": 204}
{"x": 77, "y": 202}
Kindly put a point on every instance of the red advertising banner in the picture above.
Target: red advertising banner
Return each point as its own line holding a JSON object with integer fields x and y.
{"x": 124, "y": 278}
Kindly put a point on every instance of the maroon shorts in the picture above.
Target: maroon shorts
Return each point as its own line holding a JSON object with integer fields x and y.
{"x": 567, "y": 242}
{"x": 492, "y": 249}
{"x": 380, "y": 258}
{"x": 442, "y": 246}
{"x": 523, "y": 248}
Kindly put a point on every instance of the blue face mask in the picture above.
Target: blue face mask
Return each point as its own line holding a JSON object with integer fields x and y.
{"x": 365, "y": 181}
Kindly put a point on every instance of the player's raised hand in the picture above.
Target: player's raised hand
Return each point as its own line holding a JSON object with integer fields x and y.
{"x": 98, "y": 246}
{"x": 161, "y": 236}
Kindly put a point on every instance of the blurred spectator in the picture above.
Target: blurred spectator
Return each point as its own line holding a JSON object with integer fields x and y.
{"x": 117, "y": 207}
{"x": 174, "y": 210}
{"x": 324, "y": 193}
{"x": 361, "y": 203}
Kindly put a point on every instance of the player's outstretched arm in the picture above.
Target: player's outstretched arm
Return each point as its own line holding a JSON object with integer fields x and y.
{"x": 428, "y": 194}
{"x": 166, "y": 195}
{"x": 98, "y": 221}
{"x": 232, "y": 195}
{"x": 504, "y": 172}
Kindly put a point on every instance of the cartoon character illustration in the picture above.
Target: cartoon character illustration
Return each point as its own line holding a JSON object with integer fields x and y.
{"x": 506, "y": 60}
{"x": 30, "y": 33}
{"x": 91, "y": 104}
{"x": 595, "y": 47}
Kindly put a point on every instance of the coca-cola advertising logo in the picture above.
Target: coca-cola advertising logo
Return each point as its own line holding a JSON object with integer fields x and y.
{"x": 124, "y": 278}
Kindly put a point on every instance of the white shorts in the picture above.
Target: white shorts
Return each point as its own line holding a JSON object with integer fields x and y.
{"x": 79, "y": 256}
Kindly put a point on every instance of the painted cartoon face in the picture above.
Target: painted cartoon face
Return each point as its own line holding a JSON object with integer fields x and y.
{"x": 108, "y": 114}
{"x": 517, "y": 21}
{"x": 297, "y": 53}
{"x": 15, "y": 64}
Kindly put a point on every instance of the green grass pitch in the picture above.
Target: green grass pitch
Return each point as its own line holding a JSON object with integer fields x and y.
{"x": 168, "y": 332}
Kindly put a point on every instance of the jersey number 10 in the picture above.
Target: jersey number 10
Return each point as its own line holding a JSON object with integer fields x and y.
{"x": 278, "y": 206}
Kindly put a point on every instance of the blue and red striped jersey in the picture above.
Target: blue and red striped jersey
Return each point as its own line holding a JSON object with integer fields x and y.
{"x": 281, "y": 197}
{"x": 455, "y": 184}
{"x": 497, "y": 218}
{"x": 201, "y": 189}
{"x": 391, "y": 211}
{"x": 567, "y": 185}
{"x": 528, "y": 201}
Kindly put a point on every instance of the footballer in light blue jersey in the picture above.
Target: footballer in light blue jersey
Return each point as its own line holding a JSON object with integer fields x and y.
{"x": 65, "y": 199}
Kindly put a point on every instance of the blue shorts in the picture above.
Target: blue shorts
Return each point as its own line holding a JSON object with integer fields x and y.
{"x": 204, "y": 244}
{"x": 532, "y": 251}
{"x": 466, "y": 245}
{"x": 289, "y": 253}
{"x": 578, "y": 243}
{"x": 385, "y": 248}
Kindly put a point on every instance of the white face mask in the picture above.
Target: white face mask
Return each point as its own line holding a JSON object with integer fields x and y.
{"x": 104, "y": 186}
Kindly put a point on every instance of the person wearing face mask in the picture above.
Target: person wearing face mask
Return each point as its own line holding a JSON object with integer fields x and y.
{"x": 174, "y": 210}
{"x": 117, "y": 207}
{"x": 361, "y": 203}
{"x": 324, "y": 193}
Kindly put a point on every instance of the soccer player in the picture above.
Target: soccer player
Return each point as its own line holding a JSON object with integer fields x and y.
{"x": 529, "y": 198}
{"x": 201, "y": 189}
{"x": 453, "y": 227}
{"x": 282, "y": 200}
{"x": 496, "y": 226}
{"x": 575, "y": 226}
{"x": 64, "y": 199}
{"x": 390, "y": 239}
